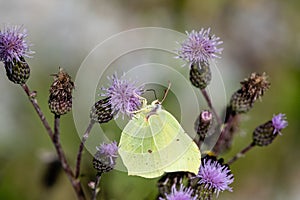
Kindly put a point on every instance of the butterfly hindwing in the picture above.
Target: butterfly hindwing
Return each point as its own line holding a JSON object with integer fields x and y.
{"x": 154, "y": 142}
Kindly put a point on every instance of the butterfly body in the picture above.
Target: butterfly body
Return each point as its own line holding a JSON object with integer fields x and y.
{"x": 153, "y": 142}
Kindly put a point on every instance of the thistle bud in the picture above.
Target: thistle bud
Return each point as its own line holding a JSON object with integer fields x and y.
{"x": 264, "y": 134}
{"x": 101, "y": 111}
{"x": 200, "y": 75}
{"x": 203, "y": 123}
{"x": 60, "y": 99}
{"x": 253, "y": 88}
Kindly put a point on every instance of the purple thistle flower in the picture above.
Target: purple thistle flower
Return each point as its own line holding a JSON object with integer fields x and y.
{"x": 124, "y": 96}
{"x": 279, "y": 122}
{"x": 182, "y": 194}
{"x": 200, "y": 47}
{"x": 214, "y": 175}
{"x": 13, "y": 45}
{"x": 107, "y": 153}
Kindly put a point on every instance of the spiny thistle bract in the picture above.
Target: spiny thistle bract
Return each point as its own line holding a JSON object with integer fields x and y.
{"x": 101, "y": 111}
{"x": 18, "y": 71}
{"x": 60, "y": 98}
{"x": 252, "y": 89}
{"x": 200, "y": 75}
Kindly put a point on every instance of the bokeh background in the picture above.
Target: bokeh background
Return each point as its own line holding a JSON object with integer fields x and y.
{"x": 258, "y": 35}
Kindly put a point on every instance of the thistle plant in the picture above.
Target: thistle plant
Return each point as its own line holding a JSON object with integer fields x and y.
{"x": 13, "y": 49}
{"x": 124, "y": 98}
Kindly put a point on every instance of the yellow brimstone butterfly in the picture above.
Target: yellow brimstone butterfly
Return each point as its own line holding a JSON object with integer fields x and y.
{"x": 153, "y": 142}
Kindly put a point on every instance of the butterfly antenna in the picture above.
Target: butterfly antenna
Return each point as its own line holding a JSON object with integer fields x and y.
{"x": 153, "y": 92}
{"x": 166, "y": 93}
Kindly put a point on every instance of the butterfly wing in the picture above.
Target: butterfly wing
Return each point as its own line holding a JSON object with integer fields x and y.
{"x": 183, "y": 150}
{"x": 138, "y": 149}
{"x": 152, "y": 145}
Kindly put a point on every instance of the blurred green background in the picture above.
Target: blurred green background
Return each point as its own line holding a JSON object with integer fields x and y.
{"x": 258, "y": 35}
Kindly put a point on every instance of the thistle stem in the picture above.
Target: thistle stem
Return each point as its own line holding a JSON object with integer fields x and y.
{"x": 208, "y": 100}
{"x": 97, "y": 181}
{"x": 225, "y": 136}
{"x": 61, "y": 156}
{"x": 83, "y": 140}
{"x": 241, "y": 153}
{"x": 32, "y": 99}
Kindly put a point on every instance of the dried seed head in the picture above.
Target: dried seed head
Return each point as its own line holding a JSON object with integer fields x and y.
{"x": 101, "y": 111}
{"x": 253, "y": 88}
{"x": 60, "y": 99}
{"x": 200, "y": 75}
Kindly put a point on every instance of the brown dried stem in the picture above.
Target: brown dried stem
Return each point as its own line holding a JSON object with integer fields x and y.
{"x": 55, "y": 140}
{"x": 83, "y": 140}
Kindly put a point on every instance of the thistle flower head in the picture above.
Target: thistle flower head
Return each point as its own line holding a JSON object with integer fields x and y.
{"x": 13, "y": 45}
{"x": 124, "y": 96}
{"x": 279, "y": 122}
{"x": 108, "y": 150}
{"x": 105, "y": 157}
{"x": 182, "y": 194}
{"x": 200, "y": 47}
{"x": 214, "y": 175}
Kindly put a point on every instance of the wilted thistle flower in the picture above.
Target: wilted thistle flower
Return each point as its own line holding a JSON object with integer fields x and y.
{"x": 13, "y": 49}
{"x": 101, "y": 111}
{"x": 264, "y": 134}
{"x": 60, "y": 98}
{"x": 105, "y": 158}
{"x": 182, "y": 194}
{"x": 214, "y": 176}
{"x": 124, "y": 96}
{"x": 200, "y": 47}
{"x": 252, "y": 89}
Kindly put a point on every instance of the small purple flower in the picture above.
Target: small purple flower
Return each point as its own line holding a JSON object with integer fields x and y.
{"x": 13, "y": 45}
{"x": 107, "y": 153}
{"x": 200, "y": 47}
{"x": 215, "y": 176}
{"x": 279, "y": 122}
{"x": 124, "y": 96}
{"x": 182, "y": 194}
